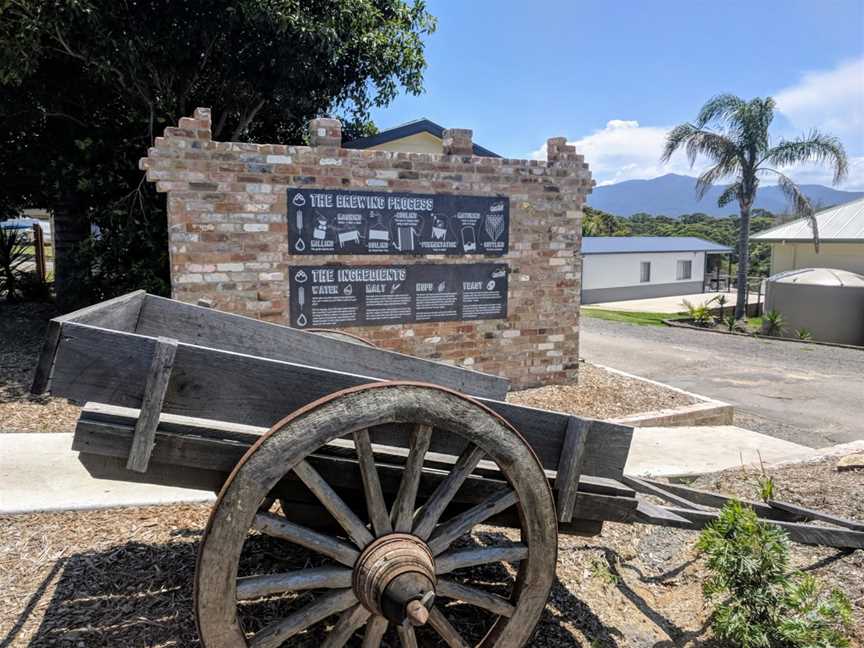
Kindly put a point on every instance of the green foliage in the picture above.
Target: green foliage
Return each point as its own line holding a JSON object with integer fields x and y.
{"x": 760, "y": 605}
{"x": 596, "y": 222}
{"x": 803, "y": 334}
{"x": 733, "y": 135}
{"x": 642, "y": 319}
{"x": 766, "y": 488}
{"x": 730, "y": 322}
{"x": 13, "y": 254}
{"x": 773, "y": 323}
{"x": 699, "y": 314}
{"x": 86, "y": 85}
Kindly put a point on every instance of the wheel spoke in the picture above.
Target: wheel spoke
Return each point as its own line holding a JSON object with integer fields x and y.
{"x": 464, "y": 522}
{"x": 403, "y": 508}
{"x": 253, "y": 587}
{"x": 349, "y": 622}
{"x": 472, "y": 556}
{"x": 446, "y": 491}
{"x": 375, "y": 630}
{"x": 372, "y": 484}
{"x": 274, "y": 634}
{"x": 406, "y": 635}
{"x": 444, "y": 628}
{"x": 325, "y": 545}
{"x": 343, "y": 514}
{"x": 473, "y": 596}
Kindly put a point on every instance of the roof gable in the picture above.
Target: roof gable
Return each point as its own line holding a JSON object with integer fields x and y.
{"x": 406, "y": 130}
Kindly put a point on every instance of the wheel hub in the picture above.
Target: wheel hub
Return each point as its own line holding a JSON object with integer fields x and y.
{"x": 395, "y": 578}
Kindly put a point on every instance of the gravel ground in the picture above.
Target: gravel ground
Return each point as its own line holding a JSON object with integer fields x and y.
{"x": 601, "y": 394}
{"x": 122, "y": 577}
{"x": 804, "y": 393}
{"x": 22, "y": 331}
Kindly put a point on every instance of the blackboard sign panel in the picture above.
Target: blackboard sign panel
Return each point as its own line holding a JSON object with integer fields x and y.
{"x": 326, "y": 296}
{"x": 335, "y": 221}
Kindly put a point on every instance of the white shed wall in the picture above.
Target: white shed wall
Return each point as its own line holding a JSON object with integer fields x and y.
{"x": 619, "y": 270}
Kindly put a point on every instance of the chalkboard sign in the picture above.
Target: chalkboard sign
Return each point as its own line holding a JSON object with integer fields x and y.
{"x": 325, "y": 296}
{"x": 332, "y": 221}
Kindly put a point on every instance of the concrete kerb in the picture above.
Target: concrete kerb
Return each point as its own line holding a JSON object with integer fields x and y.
{"x": 684, "y": 325}
{"x": 707, "y": 411}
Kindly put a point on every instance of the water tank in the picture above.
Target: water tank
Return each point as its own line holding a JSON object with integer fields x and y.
{"x": 827, "y": 302}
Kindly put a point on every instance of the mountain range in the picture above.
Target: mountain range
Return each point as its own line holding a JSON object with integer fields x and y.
{"x": 674, "y": 195}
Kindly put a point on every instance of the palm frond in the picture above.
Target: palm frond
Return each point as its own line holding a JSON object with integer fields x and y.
{"x": 724, "y": 108}
{"x": 814, "y": 147}
{"x": 732, "y": 192}
{"x": 800, "y": 203}
{"x": 716, "y": 173}
{"x": 676, "y": 138}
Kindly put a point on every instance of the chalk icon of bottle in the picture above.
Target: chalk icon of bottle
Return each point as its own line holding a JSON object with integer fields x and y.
{"x": 299, "y": 245}
{"x": 301, "y": 301}
{"x": 469, "y": 239}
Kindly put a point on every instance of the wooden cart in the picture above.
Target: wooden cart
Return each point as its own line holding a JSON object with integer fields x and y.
{"x": 382, "y": 464}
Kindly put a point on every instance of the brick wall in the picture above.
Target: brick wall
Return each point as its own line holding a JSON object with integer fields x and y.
{"x": 228, "y": 238}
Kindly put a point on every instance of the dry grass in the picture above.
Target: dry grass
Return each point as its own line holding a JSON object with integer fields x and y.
{"x": 123, "y": 577}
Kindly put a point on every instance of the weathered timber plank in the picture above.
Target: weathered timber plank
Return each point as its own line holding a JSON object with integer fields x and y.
{"x": 715, "y": 500}
{"x": 109, "y": 367}
{"x": 813, "y": 514}
{"x": 120, "y": 313}
{"x": 158, "y": 378}
{"x": 643, "y": 486}
{"x": 800, "y": 533}
{"x": 219, "y": 330}
{"x": 570, "y": 466}
{"x": 652, "y": 514}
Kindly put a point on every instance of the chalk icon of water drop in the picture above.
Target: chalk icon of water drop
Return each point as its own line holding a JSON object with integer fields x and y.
{"x": 301, "y": 300}
{"x": 299, "y": 245}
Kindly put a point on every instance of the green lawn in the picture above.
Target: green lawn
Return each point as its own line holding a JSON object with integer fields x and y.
{"x": 643, "y": 319}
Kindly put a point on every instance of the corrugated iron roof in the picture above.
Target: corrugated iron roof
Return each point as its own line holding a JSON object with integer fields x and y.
{"x": 629, "y": 244}
{"x": 843, "y": 223}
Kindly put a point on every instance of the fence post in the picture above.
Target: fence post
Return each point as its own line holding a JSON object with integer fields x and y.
{"x": 39, "y": 251}
{"x": 759, "y": 300}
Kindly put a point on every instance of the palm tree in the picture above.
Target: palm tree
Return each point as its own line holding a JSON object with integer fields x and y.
{"x": 733, "y": 134}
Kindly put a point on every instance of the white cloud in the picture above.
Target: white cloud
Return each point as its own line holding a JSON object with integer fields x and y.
{"x": 624, "y": 150}
{"x": 831, "y": 100}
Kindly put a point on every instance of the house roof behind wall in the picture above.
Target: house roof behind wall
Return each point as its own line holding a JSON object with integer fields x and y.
{"x": 631, "y": 244}
{"x": 406, "y": 130}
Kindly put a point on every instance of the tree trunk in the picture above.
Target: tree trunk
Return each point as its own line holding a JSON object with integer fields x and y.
{"x": 743, "y": 261}
{"x": 68, "y": 230}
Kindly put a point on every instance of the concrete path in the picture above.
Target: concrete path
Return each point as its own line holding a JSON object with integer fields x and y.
{"x": 669, "y": 305}
{"x": 681, "y": 451}
{"x": 804, "y": 393}
{"x": 39, "y": 472}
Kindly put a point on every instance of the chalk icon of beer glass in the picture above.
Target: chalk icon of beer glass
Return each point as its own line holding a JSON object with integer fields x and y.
{"x": 469, "y": 239}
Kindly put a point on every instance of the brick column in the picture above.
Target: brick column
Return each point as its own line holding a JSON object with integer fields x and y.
{"x": 324, "y": 131}
{"x": 458, "y": 141}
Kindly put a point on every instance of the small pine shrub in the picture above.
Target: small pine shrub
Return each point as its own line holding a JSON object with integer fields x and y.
{"x": 803, "y": 334}
{"x": 759, "y": 604}
{"x": 773, "y": 323}
{"x": 699, "y": 314}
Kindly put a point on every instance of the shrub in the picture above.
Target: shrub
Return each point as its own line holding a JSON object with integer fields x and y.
{"x": 773, "y": 323}
{"x": 730, "y": 322}
{"x": 699, "y": 314}
{"x": 13, "y": 254}
{"x": 803, "y": 334}
{"x": 760, "y": 605}
{"x": 34, "y": 289}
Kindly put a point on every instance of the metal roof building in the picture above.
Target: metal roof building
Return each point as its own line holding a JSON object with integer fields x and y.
{"x": 618, "y": 268}
{"x": 632, "y": 244}
{"x": 418, "y": 136}
{"x": 841, "y": 241}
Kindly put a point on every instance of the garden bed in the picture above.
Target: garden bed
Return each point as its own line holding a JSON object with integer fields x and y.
{"x": 123, "y": 577}
{"x": 754, "y": 333}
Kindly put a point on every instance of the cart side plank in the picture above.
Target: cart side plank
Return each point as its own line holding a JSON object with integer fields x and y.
{"x": 110, "y": 367}
{"x": 120, "y": 313}
{"x": 212, "y": 328}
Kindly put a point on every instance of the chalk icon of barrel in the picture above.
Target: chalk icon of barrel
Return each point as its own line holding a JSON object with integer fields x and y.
{"x": 405, "y": 238}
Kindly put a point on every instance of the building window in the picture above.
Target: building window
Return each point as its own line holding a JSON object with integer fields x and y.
{"x": 645, "y": 272}
{"x": 685, "y": 270}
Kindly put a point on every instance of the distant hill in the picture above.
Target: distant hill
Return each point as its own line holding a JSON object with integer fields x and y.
{"x": 673, "y": 195}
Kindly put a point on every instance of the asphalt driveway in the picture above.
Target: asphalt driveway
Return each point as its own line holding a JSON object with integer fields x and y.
{"x": 805, "y": 393}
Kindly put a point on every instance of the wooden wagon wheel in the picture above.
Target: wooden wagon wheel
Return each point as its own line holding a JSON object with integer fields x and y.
{"x": 391, "y": 570}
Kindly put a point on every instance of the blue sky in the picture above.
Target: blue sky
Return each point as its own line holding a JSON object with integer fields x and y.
{"x": 613, "y": 77}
